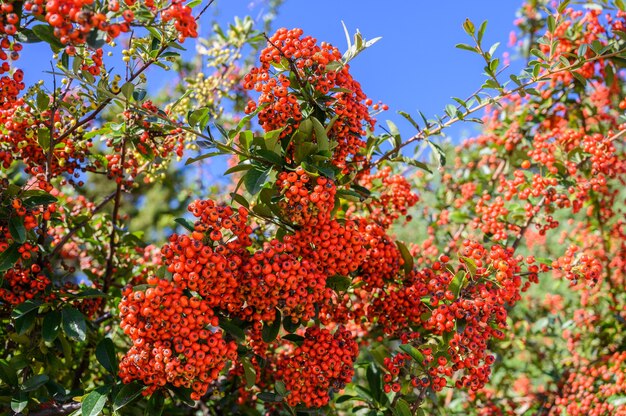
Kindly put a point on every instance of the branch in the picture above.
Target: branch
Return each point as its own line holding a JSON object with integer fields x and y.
{"x": 57, "y": 409}
{"x": 427, "y": 133}
{"x": 81, "y": 224}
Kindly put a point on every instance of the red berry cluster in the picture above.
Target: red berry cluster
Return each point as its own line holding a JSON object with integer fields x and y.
{"x": 171, "y": 342}
{"x": 335, "y": 247}
{"x": 396, "y": 196}
{"x": 324, "y": 362}
{"x": 289, "y": 51}
{"x": 577, "y": 265}
{"x": 307, "y": 201}
{"x": 273, "y": 277}
{"x": 209, "y": 260}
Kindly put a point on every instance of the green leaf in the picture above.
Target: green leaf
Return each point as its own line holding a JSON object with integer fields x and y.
{"x": 94, "y": 402}
{"x": 323, "y": 143}
{"x": 241, "y": 200}
{"x": 410, "y": 119}
{"x": 105, "y": 354}
{"x": 269, "y": 397}
{"x": 43, "y": 101}
{"x": 375, "y": 382}
{"x": 127, "y": 90}
{"x": 406, "y": 256}
{"x": 188, "y": 225}
{"x": 127, "y": 394}
{"x": 249, "y": 372}
{"x": 254, "y": 179}
{"x": 280, "y": 388}
{"x": 303, "y": 150}
{"x": 35, "y": 382}
{"x": 26, "y": 307}
{"x": 9, "y": 257}
{"x": 156, "y": 404}
{"x": 289, "y": 325}
{"x": 17, "y": 229}
{"x": 8, "y": 373}
{"x": 271, "y": 139}
{"x": 338, "y": 283}
{"x": 440, "y": 155}
{"x": 239, "y": 168}
{"x": 232, "y": 328}
{"x": 297, "y": 339}
{"x": 74, "y": 324}
{"x": 469, "y": 27}
{"x": 46, "y": 33}
{"x": 413, "y": 352}
{"x": 457, "y": 283}
{"x": 19, "y": 402}
{"x": 270, "y": 332}
{"x": 402, "y": 408}
{"x": 51, "y": 326}
{"x": 39, "y": 198}
{"x": 466, "y": 47}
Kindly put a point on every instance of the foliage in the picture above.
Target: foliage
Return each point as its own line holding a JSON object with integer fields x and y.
{"x": 335, "y": 271}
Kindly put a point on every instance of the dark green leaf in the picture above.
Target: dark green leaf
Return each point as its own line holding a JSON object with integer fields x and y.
{"x": 338, "y": 283}
{"x": 266, "y": 396}
{"x": 46, "y": 33}
{"x": 232, "y": 328}
{"x": 127, "y": 394}
{"x": 9, "y": 257}
{"x": 188, "y": 225}
{"x": 51, "y": 326}
{"x": 17, "y": 229}
{"x": 297, "y": 339}
{"x": 402, "y": 408}
{"x": 270, "y": 332}
{"x": 406, "y": 256}
{"x": 280, "y": 388}
{"x": 249, "y": 372}
{"x": 8, "y": 373}
{"x": 35, "y": 382}
{"x": 74, "y": 324}
{"x": 155, "y": 405}
{"x": 254, "y": 179}
{"x": 40, "y": 198}
{"x": 105, "y": 354}
{"x": 94, "y": 402}
{"x": 413, "y": 352}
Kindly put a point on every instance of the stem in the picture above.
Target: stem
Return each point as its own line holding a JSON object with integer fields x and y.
{"x": 427, "y": 133}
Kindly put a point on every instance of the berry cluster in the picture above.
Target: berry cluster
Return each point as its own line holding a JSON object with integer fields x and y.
{"x": 323, "y": 363}
{"x": 307, "y": 201}
{"x": 209, "y": 260}
{"x": 288, "y": 51}
{"x": 171, "y": 342}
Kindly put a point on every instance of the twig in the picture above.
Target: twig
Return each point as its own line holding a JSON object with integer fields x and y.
{"x": 81, "y": 224}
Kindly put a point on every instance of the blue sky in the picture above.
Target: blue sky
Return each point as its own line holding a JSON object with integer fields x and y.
{"x": 414, "y": 66}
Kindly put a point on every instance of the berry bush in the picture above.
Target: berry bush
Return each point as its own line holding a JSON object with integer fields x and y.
{"x": 337, "y": 265}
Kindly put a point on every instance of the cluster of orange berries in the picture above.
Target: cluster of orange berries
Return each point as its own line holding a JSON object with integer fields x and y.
{"x": 577, "y": 266}
{"x": 184, "y": 22}
{"x": 307, "y": 201}
{"x": 273, "y": 277}
{"x": 395, "y": 199}
{"x": 335, "y": 248}
{"x": 73, "y": 20}
{"x": 282, "y": 108}
{"x": 384, "y": 260}
{"x": 171, "y": 342}
{"x": 208, "y": 261}
{"x": 20, "y": 142}
{"x": 324, "y": 362}
{"x": 22, "y": 283}
{"x": 586, "y": 390}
